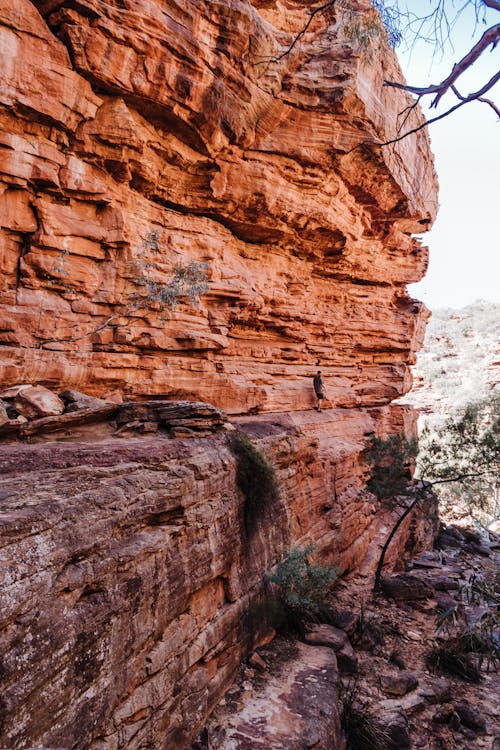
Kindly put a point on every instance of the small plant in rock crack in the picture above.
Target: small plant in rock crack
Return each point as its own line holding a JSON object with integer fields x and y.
{"x": 475, "y": 636}
{"x": 161, "y": 290}
{"x": 362, "y": 729}
{"x": 157, "y": 288}
{"x": 451, "y": 658}
{"x": 300, "y": 592}
{"x": 256, "y": 478}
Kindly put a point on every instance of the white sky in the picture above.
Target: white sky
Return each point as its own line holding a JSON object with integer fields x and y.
{"x": 464, "y": 242}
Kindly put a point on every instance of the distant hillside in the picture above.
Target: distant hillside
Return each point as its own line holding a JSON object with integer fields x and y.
{"x": 460, "y": 361}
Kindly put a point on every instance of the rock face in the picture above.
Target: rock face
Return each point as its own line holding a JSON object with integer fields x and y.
{"x": 137, "y": 139}
{"x": 295, "y": 709}
{"x": 128, "y": 574}
{"x": 148, "y": 149}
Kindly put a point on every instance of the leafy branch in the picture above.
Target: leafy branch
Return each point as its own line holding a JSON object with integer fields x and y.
{"x": 186, "y": 281}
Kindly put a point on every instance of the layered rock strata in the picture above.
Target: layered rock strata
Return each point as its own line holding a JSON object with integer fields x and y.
{"x": 128, "y": 572}
{"x": 147, "y": 148}
{"x": 137, "y": 137}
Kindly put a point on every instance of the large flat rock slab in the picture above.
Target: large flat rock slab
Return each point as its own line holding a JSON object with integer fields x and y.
{"x": 296, "y": 708}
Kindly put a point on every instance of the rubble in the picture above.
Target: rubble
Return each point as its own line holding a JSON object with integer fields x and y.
{"x": 424, "y": 711}
{"x": 37, "y": 411}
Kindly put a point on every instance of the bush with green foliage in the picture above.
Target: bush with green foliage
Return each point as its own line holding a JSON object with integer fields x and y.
{"x": 390, "y": 460}
{"x": 362, "y": 729}
{"x": 255, "y": 477}
{"x": 464, "y": 457}
{"x": 300, "y": 591}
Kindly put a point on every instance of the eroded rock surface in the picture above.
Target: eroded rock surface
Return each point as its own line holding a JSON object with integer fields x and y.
{"x": 293, "y": 709}
{"x": 128, "y": 570}
{"x": 138, "y": 138}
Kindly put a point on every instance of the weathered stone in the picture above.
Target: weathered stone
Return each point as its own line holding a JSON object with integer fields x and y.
{"x": 132, "y": 141}
{"x": 399, "y": 684}
{"x": 406, "y": 587}
{"x": 4, "y": 417}
{"x": 327, "y": 635}
{"x": 345, "y": 619}
{"x": 257, "y": 661}
{"x": 75, "y": 400}
{"x": 190, "y": 414}
{"x": 438, "y": 692}
{"x": 107, "y": 164}
{"x": 15, "y": 390}
{"x": 443, "y": 583}
{"x": 69, "y": 420}
{"x": 36, "y": 401}
{"x": 294, "y": 710}
{"x": 347, "y": 659}
{"x": 396, "y": 726}
{"x": 470, "y": 717}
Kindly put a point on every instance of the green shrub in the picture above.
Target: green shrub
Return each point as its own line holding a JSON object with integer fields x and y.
{"x": 300, "y": 592}
{"x": 362, "y": 730}
{"x": 390, "y": 460}
{"x": 451, "y": 658}
{"x": 256, "y": 479}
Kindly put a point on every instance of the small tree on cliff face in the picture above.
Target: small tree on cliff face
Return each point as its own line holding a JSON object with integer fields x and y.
{"x": 157, "y": 290}
{"x": 391, "y": 461}
{"x": 465, "y": 457}
{"x": 394, "y": 22}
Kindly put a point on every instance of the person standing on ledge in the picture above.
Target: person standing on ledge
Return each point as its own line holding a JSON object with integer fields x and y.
{"x": 319, "y": 389}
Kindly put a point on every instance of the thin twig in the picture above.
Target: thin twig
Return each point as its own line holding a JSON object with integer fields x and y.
{"x": 303, "y": 31}
{"x": 490, "y": 37}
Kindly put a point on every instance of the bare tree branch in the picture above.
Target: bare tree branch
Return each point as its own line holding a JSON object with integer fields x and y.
{"x": 479, "y": 99}
{"x": 298, "y": 37}
{"x": 490, "y": 104}
{"x": 490, "y": 37}
{"x": 476, "y": 96}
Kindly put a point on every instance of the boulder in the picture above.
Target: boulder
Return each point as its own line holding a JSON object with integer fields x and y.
{"x": 470, "y": 717}
{"x": 396, "y": 726}
{"x": 337, "y": 640}
{"x": 438, "y": 691}
{"x": 345, "y": 619}
{"x": 443, "y": 583}
{"x": 14, "y": 390}
{"x": 398, "y": 684}
{"x": 75, "y": 400}
{"x": 347, "y": 659}
{"x": 406, "y": 587}
{"x": 37, "y": 401}
{"x": 327, "y": 635}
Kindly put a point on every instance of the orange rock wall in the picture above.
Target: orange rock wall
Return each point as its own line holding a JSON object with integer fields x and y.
{"x": 129, "y": 576}
{"x": 122, "y": 120}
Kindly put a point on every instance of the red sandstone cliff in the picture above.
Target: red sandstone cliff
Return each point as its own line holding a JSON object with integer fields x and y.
{"x": 123, "y": 120}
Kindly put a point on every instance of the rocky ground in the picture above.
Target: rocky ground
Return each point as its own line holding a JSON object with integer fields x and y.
{"x": 382, "y": 654}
